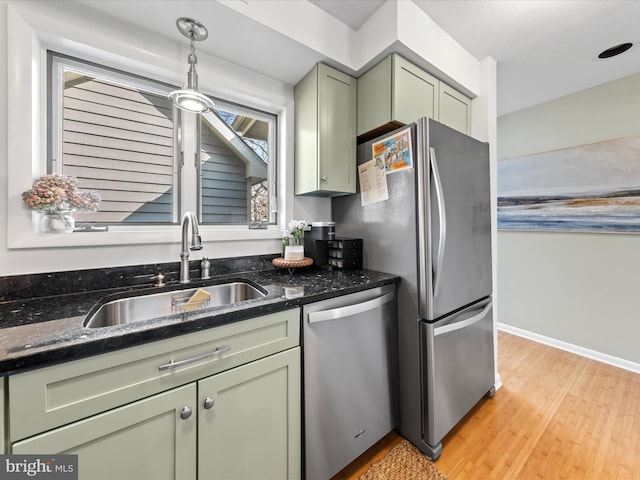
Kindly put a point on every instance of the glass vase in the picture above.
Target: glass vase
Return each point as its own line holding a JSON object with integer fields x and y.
{"x": 57, "y": 222}
{"x": 296, "y": 240}
{"x": 295, "y": 250}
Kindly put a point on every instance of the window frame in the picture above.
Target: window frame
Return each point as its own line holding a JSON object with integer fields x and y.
{"x": 30, "y": 35}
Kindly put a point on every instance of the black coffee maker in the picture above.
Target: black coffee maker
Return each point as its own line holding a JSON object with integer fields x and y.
{"x": 316, "y": 242}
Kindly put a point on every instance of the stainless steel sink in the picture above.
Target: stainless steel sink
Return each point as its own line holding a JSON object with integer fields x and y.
{"x": 146, "y": 307}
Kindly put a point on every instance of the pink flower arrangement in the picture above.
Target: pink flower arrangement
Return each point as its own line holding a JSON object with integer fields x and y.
{"x": 59, "y": 193}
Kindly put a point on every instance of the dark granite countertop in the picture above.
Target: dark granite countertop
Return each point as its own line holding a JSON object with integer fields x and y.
{"x": 42, "y": 330}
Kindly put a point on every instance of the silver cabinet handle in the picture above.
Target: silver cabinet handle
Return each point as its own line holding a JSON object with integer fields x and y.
{"x": 349, "y": 310}
{"x": 180, "y": 363}
{"x": 185, "y": 413}
{"x": 209, "y": 403}
{"x": 324, "y": 178}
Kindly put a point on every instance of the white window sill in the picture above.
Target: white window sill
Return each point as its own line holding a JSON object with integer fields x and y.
{"x": 137, "y": 236}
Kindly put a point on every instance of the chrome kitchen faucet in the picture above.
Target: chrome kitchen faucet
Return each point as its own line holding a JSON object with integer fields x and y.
{"x": 189, "y": 219}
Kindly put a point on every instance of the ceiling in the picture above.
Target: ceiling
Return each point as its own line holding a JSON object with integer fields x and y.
{"x": 544, "y": 48}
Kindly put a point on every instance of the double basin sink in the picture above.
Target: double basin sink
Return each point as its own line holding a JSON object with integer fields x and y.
{"x": 150, "y": 306}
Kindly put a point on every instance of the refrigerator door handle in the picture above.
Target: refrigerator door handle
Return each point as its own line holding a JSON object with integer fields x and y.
{"x": 350, "y": 310}
{"x": 463, "y": 323}
{"x": 442, "y": 218}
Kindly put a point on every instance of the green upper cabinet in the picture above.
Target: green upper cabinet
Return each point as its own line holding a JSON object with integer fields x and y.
{"x": 454, "y": 109}
{"x": 325, "y": 133}
{"x": 396, "y": 92}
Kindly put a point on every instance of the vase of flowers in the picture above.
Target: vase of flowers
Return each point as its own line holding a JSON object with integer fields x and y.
{"x": 295, "y": 249}
{"x": 296, "y": 229}
{"x": 56, "y": 198}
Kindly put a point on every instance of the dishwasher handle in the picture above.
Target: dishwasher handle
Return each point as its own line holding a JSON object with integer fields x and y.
{"x": 350, "y": 310}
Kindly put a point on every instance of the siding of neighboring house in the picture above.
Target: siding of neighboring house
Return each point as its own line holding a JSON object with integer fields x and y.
{"x": 119, "y": 142}
{"x": 224, "y": 183}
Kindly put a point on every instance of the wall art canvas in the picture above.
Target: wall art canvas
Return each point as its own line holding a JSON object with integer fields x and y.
{"x": 589, "y": 188}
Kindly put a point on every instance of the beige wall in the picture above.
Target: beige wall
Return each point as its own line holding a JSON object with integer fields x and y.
{"x": 578, "y": 288}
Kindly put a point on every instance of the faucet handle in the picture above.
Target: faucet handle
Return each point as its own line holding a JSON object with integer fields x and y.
{"x": 205, "y": 264}
{"x": 160, "y": 278}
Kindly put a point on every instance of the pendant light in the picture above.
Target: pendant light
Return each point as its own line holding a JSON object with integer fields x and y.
{"x": 189, "y": 98}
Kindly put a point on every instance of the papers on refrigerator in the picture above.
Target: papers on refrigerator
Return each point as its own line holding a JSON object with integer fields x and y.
{"x": 373, "y": 183}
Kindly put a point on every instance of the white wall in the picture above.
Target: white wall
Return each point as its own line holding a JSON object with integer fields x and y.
{"x": 577, "y": 288}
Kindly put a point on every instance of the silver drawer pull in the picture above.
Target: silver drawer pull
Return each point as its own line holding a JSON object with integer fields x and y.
{"x": 180, "y": 363}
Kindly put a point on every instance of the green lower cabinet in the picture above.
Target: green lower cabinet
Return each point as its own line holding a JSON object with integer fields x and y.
{"x": 250, "y": 421}
{"x": 145, "y": 440}
{"x": 243, "y": 423}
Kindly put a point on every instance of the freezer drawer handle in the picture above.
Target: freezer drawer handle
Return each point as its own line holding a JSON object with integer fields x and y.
{"x": 349, "y": 310}
{"x": 463, "y": 323}
{"x": 442, "y": 218}
{"x": 180, "y": 363}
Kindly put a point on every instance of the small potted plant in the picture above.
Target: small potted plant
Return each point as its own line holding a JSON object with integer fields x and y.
{"x": 56, "y": 198}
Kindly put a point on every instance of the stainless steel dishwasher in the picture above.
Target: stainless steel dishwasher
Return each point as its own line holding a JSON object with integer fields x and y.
{"x": 350, "y": 377}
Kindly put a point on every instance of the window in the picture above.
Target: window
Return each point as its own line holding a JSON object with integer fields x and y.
{"x": 119, "y": 135}
{"x": 237, "y": 182}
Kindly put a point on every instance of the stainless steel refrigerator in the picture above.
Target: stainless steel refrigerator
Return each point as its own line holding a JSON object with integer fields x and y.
{"x": 434, "y": 231}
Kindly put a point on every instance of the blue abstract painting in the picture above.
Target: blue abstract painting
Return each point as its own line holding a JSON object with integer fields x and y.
{"x": 589, "y": 188}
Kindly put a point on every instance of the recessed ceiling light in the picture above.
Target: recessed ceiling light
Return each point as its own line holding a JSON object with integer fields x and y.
{"x": 617, "y": 50}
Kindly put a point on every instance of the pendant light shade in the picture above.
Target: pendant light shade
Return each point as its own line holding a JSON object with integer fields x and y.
{"x": 189, "y": 98}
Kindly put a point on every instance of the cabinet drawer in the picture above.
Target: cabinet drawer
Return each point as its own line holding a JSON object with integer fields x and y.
{"x": 46, "y": 398}
{"x": 347, "y": 243}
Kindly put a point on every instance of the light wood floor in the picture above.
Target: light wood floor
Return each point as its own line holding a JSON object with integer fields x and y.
{"x": 557, "y": 416}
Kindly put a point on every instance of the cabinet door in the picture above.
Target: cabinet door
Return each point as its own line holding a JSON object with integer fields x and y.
{"x": 147, "y": 439}
{"x": 415, "y": 92}
{"x": 325, "y": 133}
{"x": 336, "y": 130}
{"x": 249, "y": 421}
{"x": 454, "y": 109}
{"x": 374, "y": 97}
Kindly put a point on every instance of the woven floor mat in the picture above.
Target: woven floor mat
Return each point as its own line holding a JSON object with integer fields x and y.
{"x": 404, "y": 462}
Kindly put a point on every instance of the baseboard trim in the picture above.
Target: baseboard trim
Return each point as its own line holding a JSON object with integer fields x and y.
{"x": 569, "y": 347}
